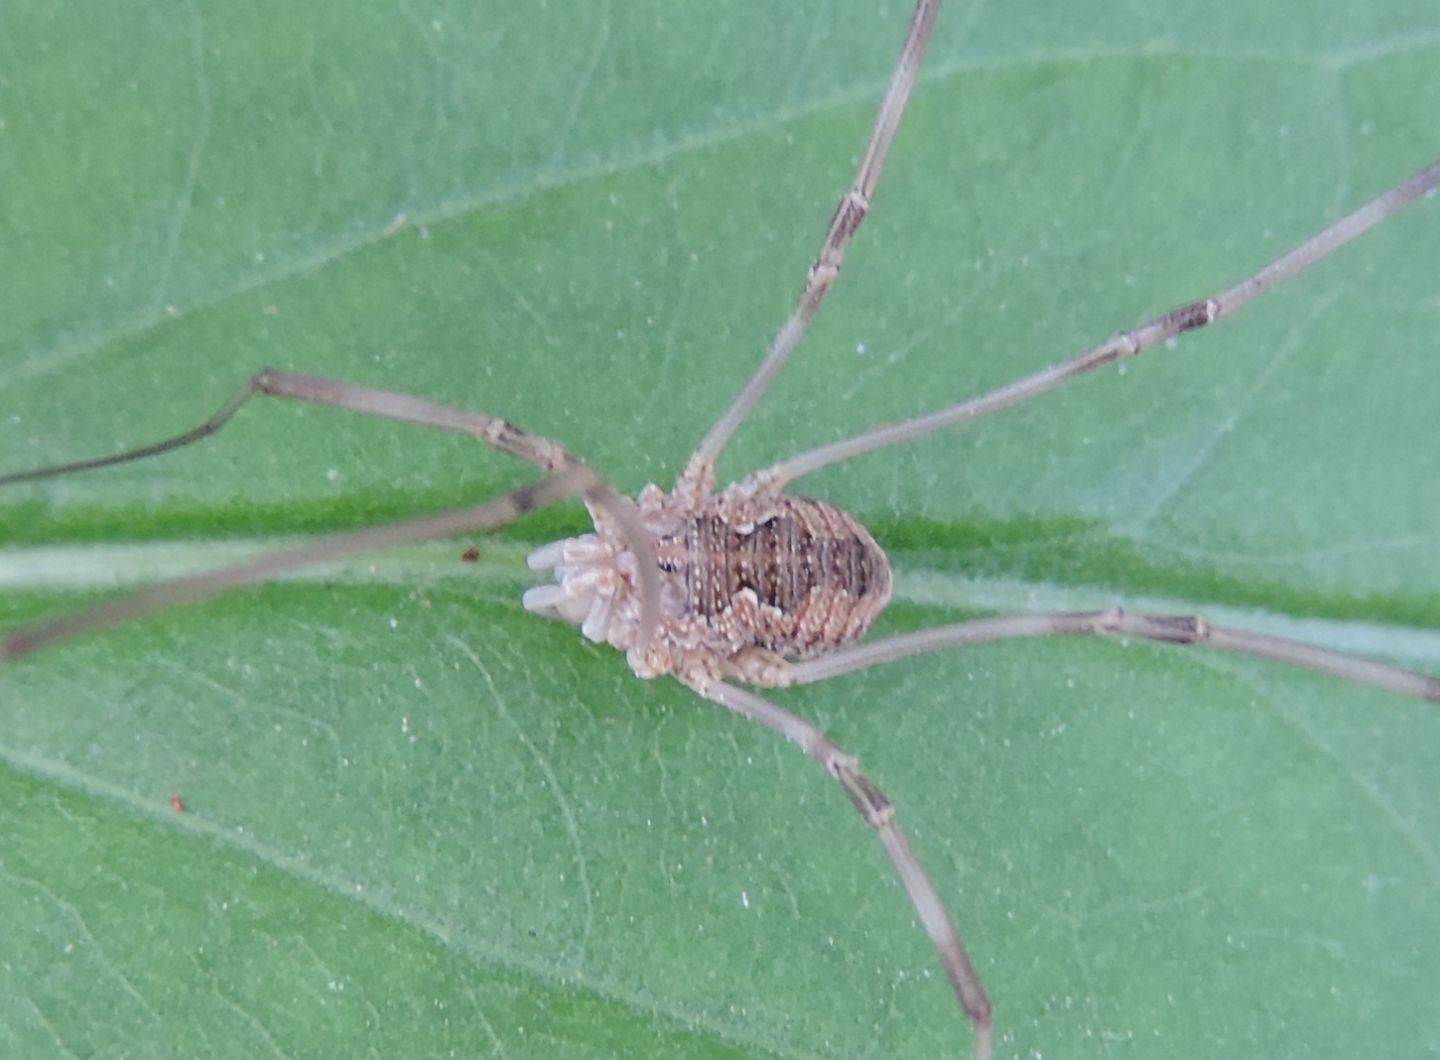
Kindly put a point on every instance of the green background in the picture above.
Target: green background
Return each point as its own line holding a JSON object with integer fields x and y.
{"x": 423, "y": 822}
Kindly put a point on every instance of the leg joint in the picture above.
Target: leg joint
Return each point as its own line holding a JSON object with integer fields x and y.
{"x": 870, "y": 802}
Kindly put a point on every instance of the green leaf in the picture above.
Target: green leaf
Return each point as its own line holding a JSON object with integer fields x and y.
{"x": 421, "y": 821}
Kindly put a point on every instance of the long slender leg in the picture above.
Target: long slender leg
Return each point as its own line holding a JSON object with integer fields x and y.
{"x": 386, "y": 404}
{"x": 570, "y": 482}
{"x": 1124, "y": 344}
{"x": 699, "y": 473}
{"x": 877, "y": 812}
{"x": 1173, "y": 629}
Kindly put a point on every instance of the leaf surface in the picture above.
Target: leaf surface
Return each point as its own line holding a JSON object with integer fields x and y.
{"x": 418, "y": 820}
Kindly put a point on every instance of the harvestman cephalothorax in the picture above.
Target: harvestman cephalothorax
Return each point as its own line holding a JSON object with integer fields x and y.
{"x": 751, "y": 586}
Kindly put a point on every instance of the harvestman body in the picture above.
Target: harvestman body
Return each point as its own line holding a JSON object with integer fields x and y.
{"x": 746, "y": 582}
{"x": 752, "y": 584}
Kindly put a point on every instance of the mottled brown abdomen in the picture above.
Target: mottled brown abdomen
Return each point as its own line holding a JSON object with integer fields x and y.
{"x": 788, "y": 574}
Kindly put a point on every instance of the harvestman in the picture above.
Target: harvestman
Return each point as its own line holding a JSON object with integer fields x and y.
{"x": 751, "y": 584}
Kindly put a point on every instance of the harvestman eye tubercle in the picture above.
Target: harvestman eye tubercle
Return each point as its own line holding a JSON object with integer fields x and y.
{"x": 752, "y": 586}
